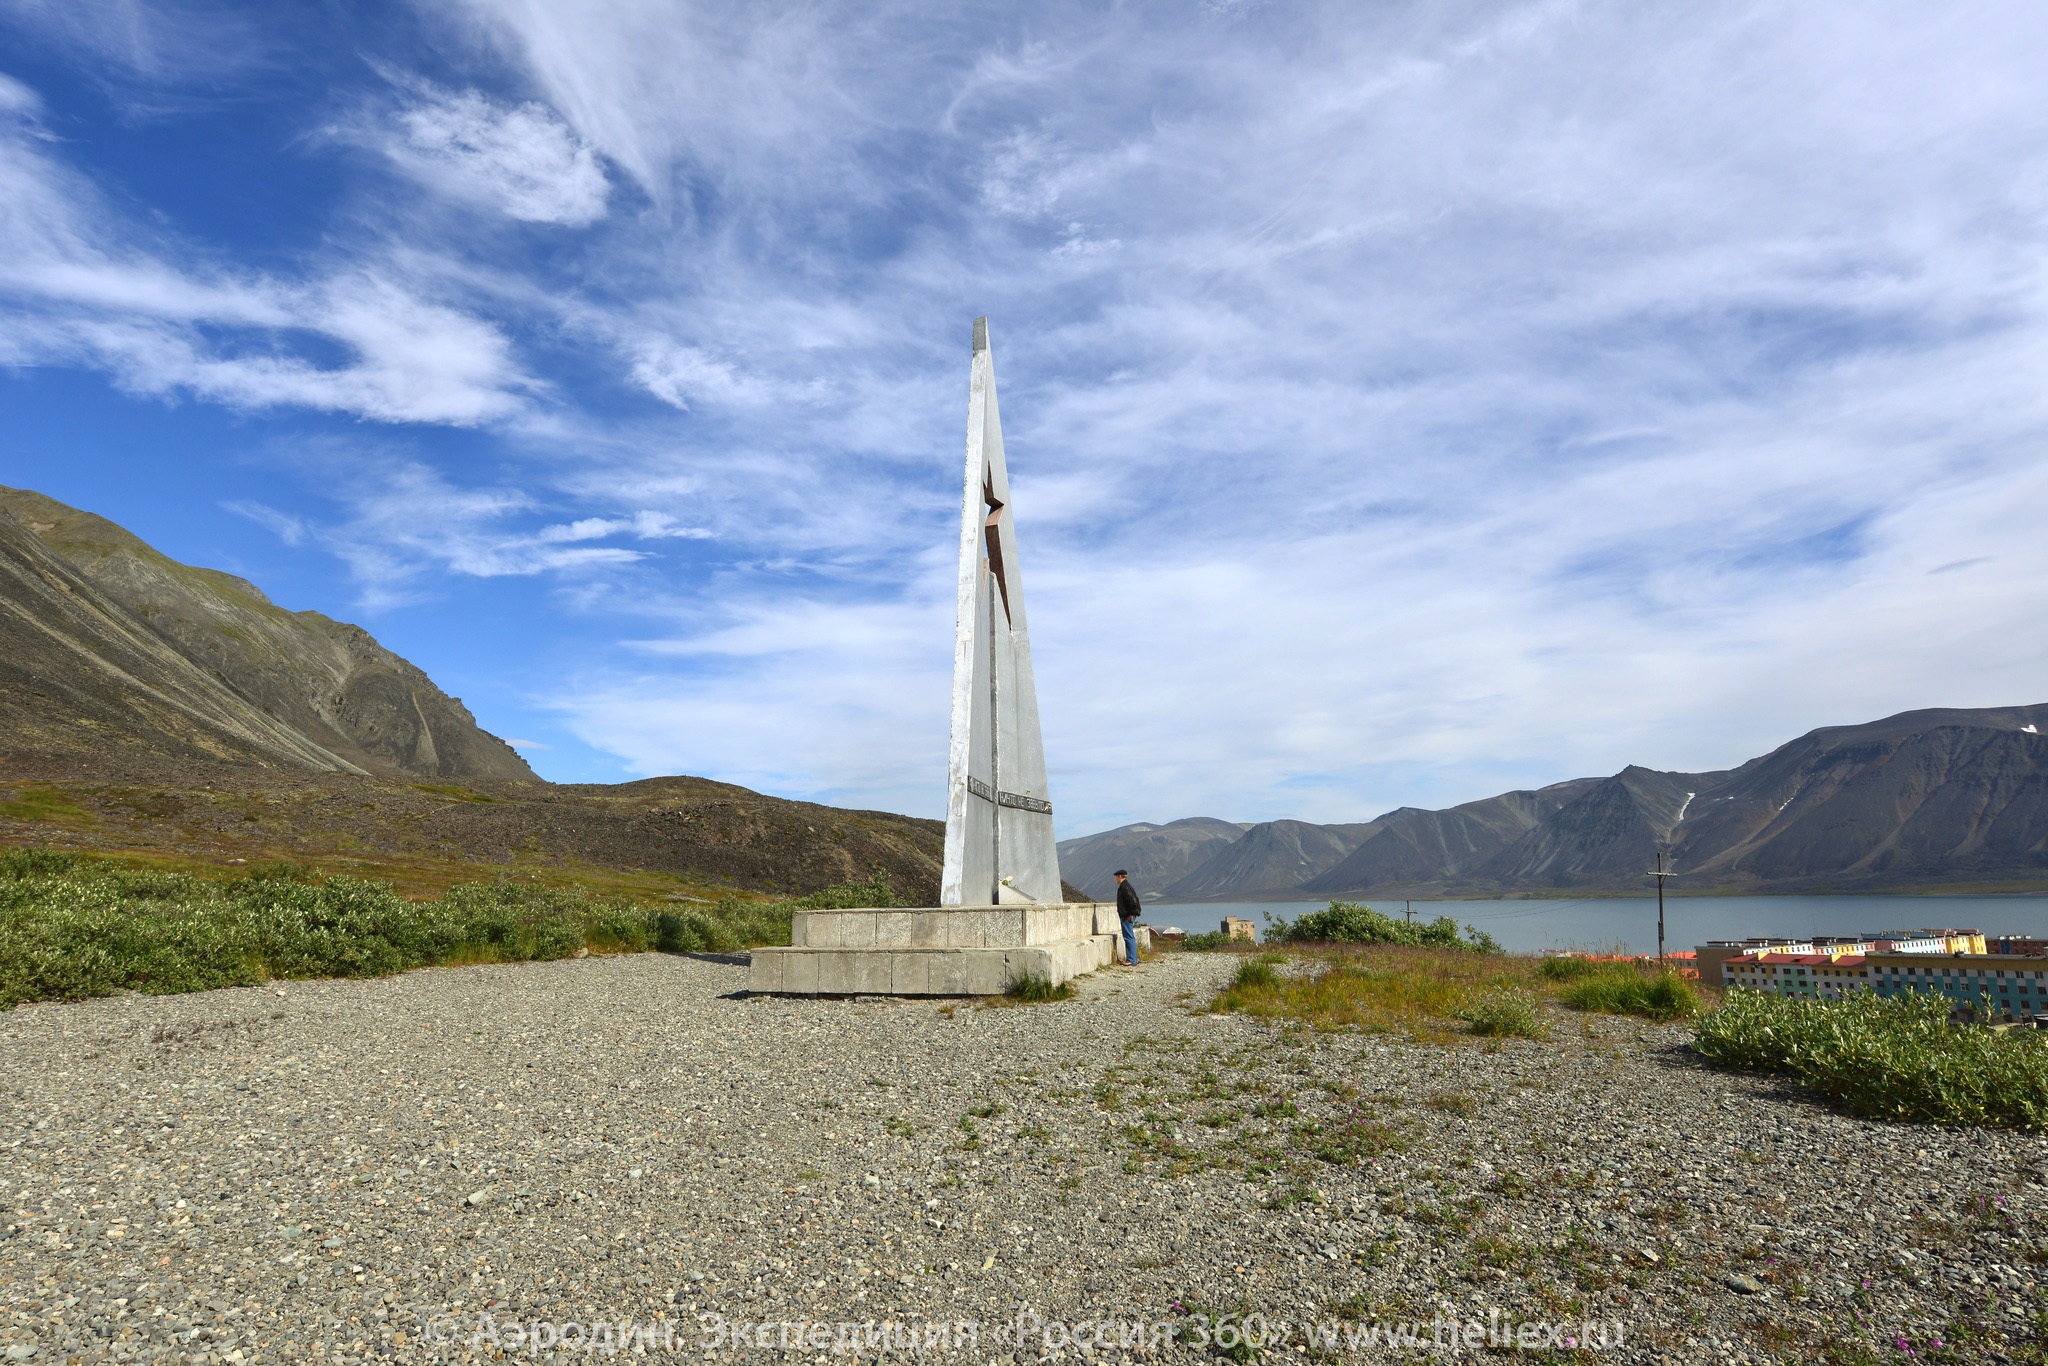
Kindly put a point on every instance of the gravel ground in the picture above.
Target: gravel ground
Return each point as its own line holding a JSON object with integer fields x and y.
{"x": 349, "y": 1171}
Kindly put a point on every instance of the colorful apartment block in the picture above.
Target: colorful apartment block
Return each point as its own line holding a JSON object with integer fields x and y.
{"x": 1985, "y": 986}
{"x": 1812, "y": 975}
{"x": 1994, "y": 986}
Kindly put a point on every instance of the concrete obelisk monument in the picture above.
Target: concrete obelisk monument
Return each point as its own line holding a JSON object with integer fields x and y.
{"x": 999, "y": 839}
{"x": 1001, "y": 918}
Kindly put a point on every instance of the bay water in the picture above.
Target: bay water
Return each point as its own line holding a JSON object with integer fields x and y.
{"x": 1629, "y": 924}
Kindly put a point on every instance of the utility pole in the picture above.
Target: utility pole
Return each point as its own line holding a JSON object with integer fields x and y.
{"x": 1408, "y": 909}
{"x": 1660, "y": 874}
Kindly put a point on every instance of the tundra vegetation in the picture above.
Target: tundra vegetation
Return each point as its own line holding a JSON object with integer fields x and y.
{"x": 1437, "y": 995}
{"x": 73, "y": 927}
{"x": 1897, "y": 1057}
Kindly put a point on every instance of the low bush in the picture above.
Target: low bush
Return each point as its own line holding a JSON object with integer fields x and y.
{"x": 74, "y": 927}
{"x": 1350, "y": 922}
{"x": 846, "y": 896}
{"x": 1208, "y": 940}
{"x": 1895, "y": 1057}
{"x": 1502, "y": 1013}
{"x": 1625, "y": 989}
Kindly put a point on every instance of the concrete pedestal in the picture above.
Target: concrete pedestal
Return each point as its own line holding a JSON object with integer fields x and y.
{"x": 936, "y": 951}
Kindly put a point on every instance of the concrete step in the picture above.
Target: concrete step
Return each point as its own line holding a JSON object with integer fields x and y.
{"x": 952, "y": 927}
{"x": 907, "y": 971}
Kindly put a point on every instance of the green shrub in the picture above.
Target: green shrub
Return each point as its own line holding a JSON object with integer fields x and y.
{"x": 73, "y": 927}
{"x": 19, "y": 863}
{"x": 1502, "y": 1014}
{"x": 1624, "y": 989}
{"x": 1208, "y": 940}
{"x": 848, "y": 896}
{"x": 1350, "y": 922}
{"x": 1568, "y": 969}
{"x": 1893, "y": 1057}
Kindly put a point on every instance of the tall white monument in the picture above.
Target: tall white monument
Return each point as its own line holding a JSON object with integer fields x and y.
{"x": 999, "y": 840}
{"x": 1001, "y": 919}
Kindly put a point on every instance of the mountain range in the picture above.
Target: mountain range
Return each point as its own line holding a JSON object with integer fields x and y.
{"x": 147, "y": 704}
{"x": 1941, "y": 797}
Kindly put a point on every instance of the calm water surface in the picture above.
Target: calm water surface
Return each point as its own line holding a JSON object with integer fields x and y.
{"x": 1629, "y": 924}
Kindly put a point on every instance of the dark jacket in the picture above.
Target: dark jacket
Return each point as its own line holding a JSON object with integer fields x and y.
{"x": 1126, "y": 901}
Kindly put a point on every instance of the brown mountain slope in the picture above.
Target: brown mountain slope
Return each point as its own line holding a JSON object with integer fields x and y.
{"x": 675, "y": 835}
{"x": 1921, "y": 795}
{"x": 1274, "y": 855}
{"x": 151, "y": 709}
{"x": 1156, "y": 856}
{"x": 244, "y": 677}
{"x": 1414, "y": 846}
{"x": 81, "y": 675}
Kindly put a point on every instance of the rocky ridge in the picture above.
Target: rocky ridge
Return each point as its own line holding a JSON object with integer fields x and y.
{"x": 109, "y": 646}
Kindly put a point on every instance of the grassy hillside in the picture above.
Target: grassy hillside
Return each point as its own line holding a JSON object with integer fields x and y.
{"x": 73, "y": 927}
{"x": 669, "y": 837}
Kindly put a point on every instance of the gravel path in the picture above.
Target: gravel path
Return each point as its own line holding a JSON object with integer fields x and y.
{"x": 376, "y": 1170}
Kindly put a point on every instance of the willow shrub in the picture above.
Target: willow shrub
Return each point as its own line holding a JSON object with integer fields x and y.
{"x": 1895, "y": 1057}
{"x": 73, "y": 927}
{"x": 1351, "y": 922}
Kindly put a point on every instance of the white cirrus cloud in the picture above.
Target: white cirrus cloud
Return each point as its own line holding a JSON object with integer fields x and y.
{"x": 85, "y": 285}
{"x": 403, "y": 522}
{"x": 519, "y": 159}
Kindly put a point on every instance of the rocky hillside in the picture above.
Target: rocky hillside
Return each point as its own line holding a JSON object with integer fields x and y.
{"x": 1273, "y": 854}
{"x": 108, "y": 646}
{"x": 1940, "y": 797}
{"x": 151, "y": 708}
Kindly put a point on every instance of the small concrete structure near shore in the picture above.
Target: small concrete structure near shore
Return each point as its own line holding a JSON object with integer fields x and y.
{"x": 1000, "y": 920}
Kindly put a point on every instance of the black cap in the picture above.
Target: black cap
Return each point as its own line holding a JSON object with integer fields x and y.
{"x": 1123, "y": 872}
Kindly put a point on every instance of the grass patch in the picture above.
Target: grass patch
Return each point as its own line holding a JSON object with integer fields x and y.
{"x": 1208, "y": 941}
{"x": 1258, "y": 973}
{"x": 1436, "y": 993}
{"x": 1414, "y": 992}
{"x": 73, "y": 927}
{"x": 454, "y": 792}
{"x": 1894, "y": 1058}
{"x": 1503, "y": 1013}
{"x": 1033, "y": 989}
{"x": 1625, "y": 989}
{"x": 45, "y": 805}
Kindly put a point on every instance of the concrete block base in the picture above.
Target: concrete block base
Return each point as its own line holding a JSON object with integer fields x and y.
{"x": 950, "y": 951}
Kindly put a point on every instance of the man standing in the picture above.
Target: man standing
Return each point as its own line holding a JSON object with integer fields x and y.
{"x": 1127, "y": 911}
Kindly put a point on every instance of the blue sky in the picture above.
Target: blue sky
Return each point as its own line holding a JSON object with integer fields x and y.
{"x": 1404, "y": 402}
